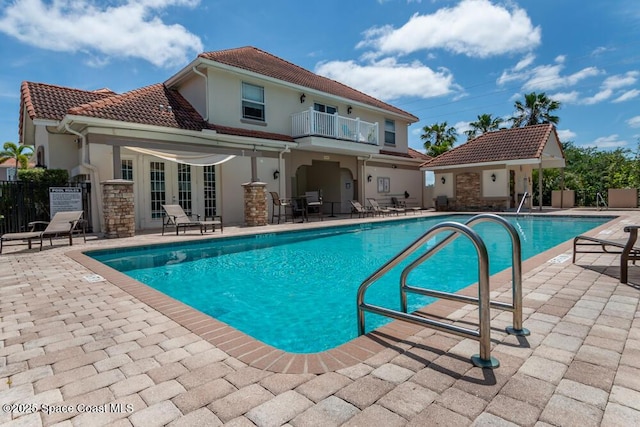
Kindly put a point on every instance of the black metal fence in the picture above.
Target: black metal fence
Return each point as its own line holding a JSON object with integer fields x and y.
{"x": 23, "y": 202}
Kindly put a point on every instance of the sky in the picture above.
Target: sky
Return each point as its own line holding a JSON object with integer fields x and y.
{"x": 440, "y": 60}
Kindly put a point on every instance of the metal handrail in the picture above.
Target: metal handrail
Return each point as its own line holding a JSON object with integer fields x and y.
{"x": 516, "y": 275}
{"x": 483, "y": 334}
{"x": 599, "y": 199}
{"x": 524, "y": 197}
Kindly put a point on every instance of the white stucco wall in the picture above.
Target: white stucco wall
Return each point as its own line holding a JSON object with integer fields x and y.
{"x": 497, "y": 188}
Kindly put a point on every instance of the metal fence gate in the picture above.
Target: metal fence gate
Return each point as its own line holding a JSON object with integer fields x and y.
{"x": 23, "y": 202}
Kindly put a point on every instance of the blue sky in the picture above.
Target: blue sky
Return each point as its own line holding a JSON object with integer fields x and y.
{"x": 441, "y": 60}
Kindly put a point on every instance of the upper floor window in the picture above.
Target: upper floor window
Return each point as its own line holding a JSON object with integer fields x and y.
{"x": 325, "y": 108}
{"x": 390, "y": 132}
{"x": 252, "y": 102}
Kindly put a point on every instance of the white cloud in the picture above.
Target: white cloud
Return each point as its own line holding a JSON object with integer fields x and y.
{"x": 566, "y": 97}
{"x": 630, "y": 94}
{"x": 566, "y": 135}
{"x": 545, "y": 77}
{"x": 610, "y": 141}
{"x": 475, "y": 28}
{"x": 610, "y": 85}
{"x": 387, "y": 79}
{"x": 634, "y": 122}
{"x": 131, "y": 29}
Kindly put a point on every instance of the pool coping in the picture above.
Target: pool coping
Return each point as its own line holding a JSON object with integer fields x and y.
{"x": 265, "y": 357}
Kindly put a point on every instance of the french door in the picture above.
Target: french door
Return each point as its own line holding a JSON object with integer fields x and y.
{"x": 168, "y": 183}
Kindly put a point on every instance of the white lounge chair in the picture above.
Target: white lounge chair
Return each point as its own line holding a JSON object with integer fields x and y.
{"x": 62, "y": 224}
{"x": 176, "y": 217}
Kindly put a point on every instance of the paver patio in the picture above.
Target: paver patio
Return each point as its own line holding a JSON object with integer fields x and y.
{"x": 114, "y": 352}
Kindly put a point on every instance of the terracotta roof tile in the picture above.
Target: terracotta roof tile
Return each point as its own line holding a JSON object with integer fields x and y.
{"x": 152, "y": 105}
{"x": 503, "y": 145}
{"x": 258, "y": 61}
{"x": 44, "y": 101}
{"x": 251, "y": 133}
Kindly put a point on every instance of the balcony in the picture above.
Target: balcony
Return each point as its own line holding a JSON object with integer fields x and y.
{"x": 313, "y": 123}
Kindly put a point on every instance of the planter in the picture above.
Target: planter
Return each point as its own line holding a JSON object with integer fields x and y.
{"x": 568, "y": 198}
{"x": 623, "y": 198}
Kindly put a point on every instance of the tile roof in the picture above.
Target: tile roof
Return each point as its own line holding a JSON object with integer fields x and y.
{"x": 45, "y": 101}
{"x": 251, "y": 133}
{"x": 411, "y": 154}
{"x": 153, "y": 105}
{"x": 502, "y": 145}
{"x": 258, "y": 61}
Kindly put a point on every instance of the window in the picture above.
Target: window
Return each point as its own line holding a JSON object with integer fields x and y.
{"x": 390, "y": 132}
{"x": 157, "y": 181}
{"x": 252, "y": 102}
{"x": 325, "y": 108}
{"x": 126, "y": 166}
{"x": 209, "y": 191}
{"x": 184, "y": 187}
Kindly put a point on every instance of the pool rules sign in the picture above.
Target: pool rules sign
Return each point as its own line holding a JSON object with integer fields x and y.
{"x": 64, "y": 199}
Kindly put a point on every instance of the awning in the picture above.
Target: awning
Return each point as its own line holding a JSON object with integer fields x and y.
{"x": 187, "y": 158}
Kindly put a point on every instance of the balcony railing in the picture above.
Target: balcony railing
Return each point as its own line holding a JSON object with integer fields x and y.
{"x": 315, "y": 123}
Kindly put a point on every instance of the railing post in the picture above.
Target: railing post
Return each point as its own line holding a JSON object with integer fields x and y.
{"x": 312, "y": 121}
{"x": 357, "y": 129}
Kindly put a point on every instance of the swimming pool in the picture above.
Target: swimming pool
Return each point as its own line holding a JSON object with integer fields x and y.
{"x": 297, "y": 290}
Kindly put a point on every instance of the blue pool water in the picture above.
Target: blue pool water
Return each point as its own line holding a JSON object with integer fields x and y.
{"x": 297, "y": 290}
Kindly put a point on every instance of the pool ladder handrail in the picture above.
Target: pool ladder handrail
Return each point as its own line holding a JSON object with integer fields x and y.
{"x": 483, "y": 301}
{"x": 599, "y": 199}
{"x": 524, "y": 197}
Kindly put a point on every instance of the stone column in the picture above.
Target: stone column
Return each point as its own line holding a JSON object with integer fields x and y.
{"x": 256, "y": 211}
{"x": 118, "y": 206}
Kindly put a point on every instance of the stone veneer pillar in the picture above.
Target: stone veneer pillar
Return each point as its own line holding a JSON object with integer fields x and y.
{"x": 118, "y": 207}
{"x": 256, "y": 211}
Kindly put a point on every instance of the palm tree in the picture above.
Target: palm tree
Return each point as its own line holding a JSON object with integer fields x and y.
{"x": 438, "y": 138}
{"x": 484, "y": 124}
{"x": 537, "y": 109}
{"x": 20, "y": 153}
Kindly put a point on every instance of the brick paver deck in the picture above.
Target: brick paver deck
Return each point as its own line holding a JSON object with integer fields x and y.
{"x": 114, "y": 352}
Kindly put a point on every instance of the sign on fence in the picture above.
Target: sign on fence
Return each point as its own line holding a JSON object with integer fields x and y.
{"x": 64, "y": 199}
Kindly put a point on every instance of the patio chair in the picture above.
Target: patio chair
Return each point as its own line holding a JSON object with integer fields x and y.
{"x": 174, "y": 216}
{"x": 442, "y": 203}
{"x": 313, "y": 203}
{"x": 298, "y": 209}
{"x": 398, "y": 204}
{"x": 282, "y": 206}
{"x": 377, "y": 209}
{"x": 356, "y": 207}
{"x": 62, "y": 224}
{"x": 627, "y": 249}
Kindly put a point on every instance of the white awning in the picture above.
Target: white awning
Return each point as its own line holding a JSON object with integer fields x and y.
{"x": 187, "y": 158}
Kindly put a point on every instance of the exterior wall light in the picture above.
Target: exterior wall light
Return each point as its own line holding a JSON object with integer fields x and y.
{"x": 349, "y": 109}
{"x": 369, "y": 177}
{"x": 493, "y": 177}
{"x": 442, "y": 180}
{"x": 276, "y": 174}
{"x": 302, "y": 97}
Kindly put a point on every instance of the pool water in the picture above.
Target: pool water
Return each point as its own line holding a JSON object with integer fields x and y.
{"x": 297, "y": 291}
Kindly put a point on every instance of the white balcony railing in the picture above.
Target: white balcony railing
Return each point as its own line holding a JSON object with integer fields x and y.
{"x": 315, "y": 123}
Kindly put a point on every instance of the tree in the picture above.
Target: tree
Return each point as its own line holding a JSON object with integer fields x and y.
{"x": 20, "y": 153}
{"x": 537, "y": 109}
{"x": 438, "y": 138}
{"x": 484, "y": 124}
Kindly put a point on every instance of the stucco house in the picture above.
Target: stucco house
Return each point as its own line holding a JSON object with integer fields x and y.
{"x": 494, "y": 170}
{"x": 228, "y": 118}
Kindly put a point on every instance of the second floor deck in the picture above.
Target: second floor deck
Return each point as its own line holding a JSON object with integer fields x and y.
{"x": 315, "y": 123}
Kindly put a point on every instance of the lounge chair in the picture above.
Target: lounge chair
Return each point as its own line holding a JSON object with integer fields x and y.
{"x": 62, "y": 224}
{"x": 626, "y": 248}
{"x": 176, "y": 217}
{"x": 403, "y": 205}
{"x": 356, "y": 207}
{"x": 313, "y": 203}
{"x": 282, "y": 206}
{"x": 377, "y": 209}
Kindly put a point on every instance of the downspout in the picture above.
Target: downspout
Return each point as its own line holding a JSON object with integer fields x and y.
{"x": 95, "y": 176}
{"x": 206, "y": 91}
